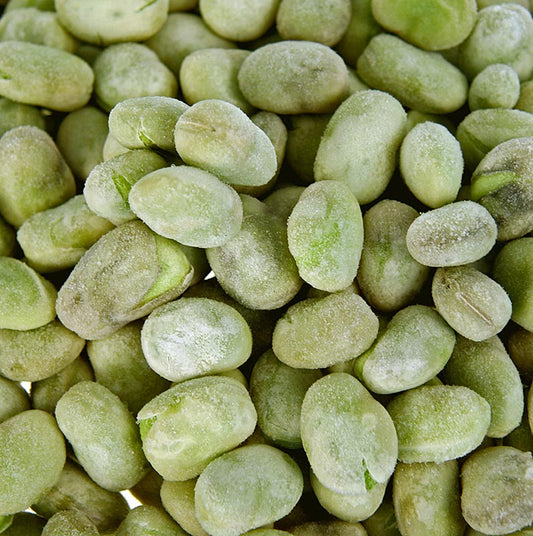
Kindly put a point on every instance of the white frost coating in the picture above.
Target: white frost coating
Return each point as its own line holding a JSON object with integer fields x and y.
{"x": 452, "y": 235}
{"x": 193, "y": 337}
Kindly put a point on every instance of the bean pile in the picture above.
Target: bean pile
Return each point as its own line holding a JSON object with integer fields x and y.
{"x": 267, "y": 265}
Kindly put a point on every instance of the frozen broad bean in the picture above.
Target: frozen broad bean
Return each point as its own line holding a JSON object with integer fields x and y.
{"x": 182, "y": 34}
{"x": 313, "y": 20}
{"x": 178, "y": 501}
{"x": 383, "y": 521}
{"x": 303, "y": 139}
{"x": 36, "y": 26}
{"x": 43, "y": 5}
{"x": 282, "y": 201}
{"x": 247, "y": 488}
{"x": 32, "y": 455}
{"x": 350, "y": 508}
{"x": 238, "y": 21}
{"x": 431, "y": 163}
{"x": 109, "y": 183}
{"x": 427, "y": 499}
{"x": 256, "y": 267}
{"x": 103, "y": 434}
{"x": 452, "y": 235}
{"x": 70, "y": 522}
{"x": 497, "y": 496}
{"x": 128, "y": 70}
{"x": 15, "y": 114}
{"x": 486, "y": 368}
{"x": 81, "y": 137}
{"x": 320, "y": 332}
{"x": 120, "y": 365}
{"x": 267, "y": 532}
{"x": 348, "y": 436}
{"x": 413, "y": 348}
{"x": 25, "y": 524}
{"x": 428, "y": 25}
{"x": 520, "y": 346}
{"x": 218, "y": 137}
{"x": 151, "y": 519}
{"x": 13, "y": 399}
{"x": 361, "y": 28}
{"x": 39, "y": 353}
{"x": 188, "y": 205}
{"x": 438, "y": 423}
{"x": 513, "y": 270}
{"x": 34, "y": 175}
{"x": 418, "y": 78}
{"x": 148, "y": 489}
{"x": 8, "y": 239}
{"x": 211, "y": 73}
{"x": 503, "y": 183}
{"x": 360, "y": 144}
{"x": 192, "y": 423}
{"x": 27, "y": 298}
{"x": 325, "y": 234}
{"x": 277, "y": 391}
{"x": 502, "y": 34}
{"x": 482, "y": 130}
{"x": 388, "y": 275}
{"x": 124, "y": 276}
{"x": 101, "y": 23}
{"x": 333, "y": 527}
{"x": 74, "y": 490}
{"x": 496, "y": 86}
{"x": 45, "y": 393}
{"x": 146, "y": 122}
{"x": 192, "y": 337}
{"x": 294, "y": 77}
{"x": 44, "y": 76}
{"x": 57, "y": 238}
{"x": 472, "y": 303}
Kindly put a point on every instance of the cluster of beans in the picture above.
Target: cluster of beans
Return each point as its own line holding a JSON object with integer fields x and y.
{"x": 268, "y": 265}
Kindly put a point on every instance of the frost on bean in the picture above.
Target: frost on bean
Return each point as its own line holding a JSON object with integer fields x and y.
{"x": 414, "y": 347}
{"x": 438, "y": 423}
{"x": 294, "y": 77}
{"x": 188, "y": 205}
{"x": 109, "y": 183}
{"x": 27, "y": 299}
{"x": 32, "y": 455}
{"x": 44, "y": 76}
{"x": 192, "y": 337}
{"x": 452, "y": 235}
{"x": 277, "y": 391}
{"x": 146, "y": 122}
{"x": 497, "y": 490}
{"x": 103, "y": 434}
{"x": 486, "y": 368}
{"x": 35, "y": 354}
{"x": 247, "y": 488}
{"x": 360, "y": 143}
{"x": 431, "y": 163}
{"x": 320, "y": 332}
{"x": 57, "y": 238}
{"x": 388, "y": 275}
{"x": 348, "y": 436}
{"x": 119, "y": 364}
{"x": 122, "y": 277}
{"x": 472, "y": 303}
{"x": 256, "y": 267}
{"x": 190, "y": 424}
{"x": 503, "y": 183}
{"x": 218, "y": 137}
{"x": 325, "y": 233}
{"x": 34, "y": 175}
{"x": 427, "y": 498}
